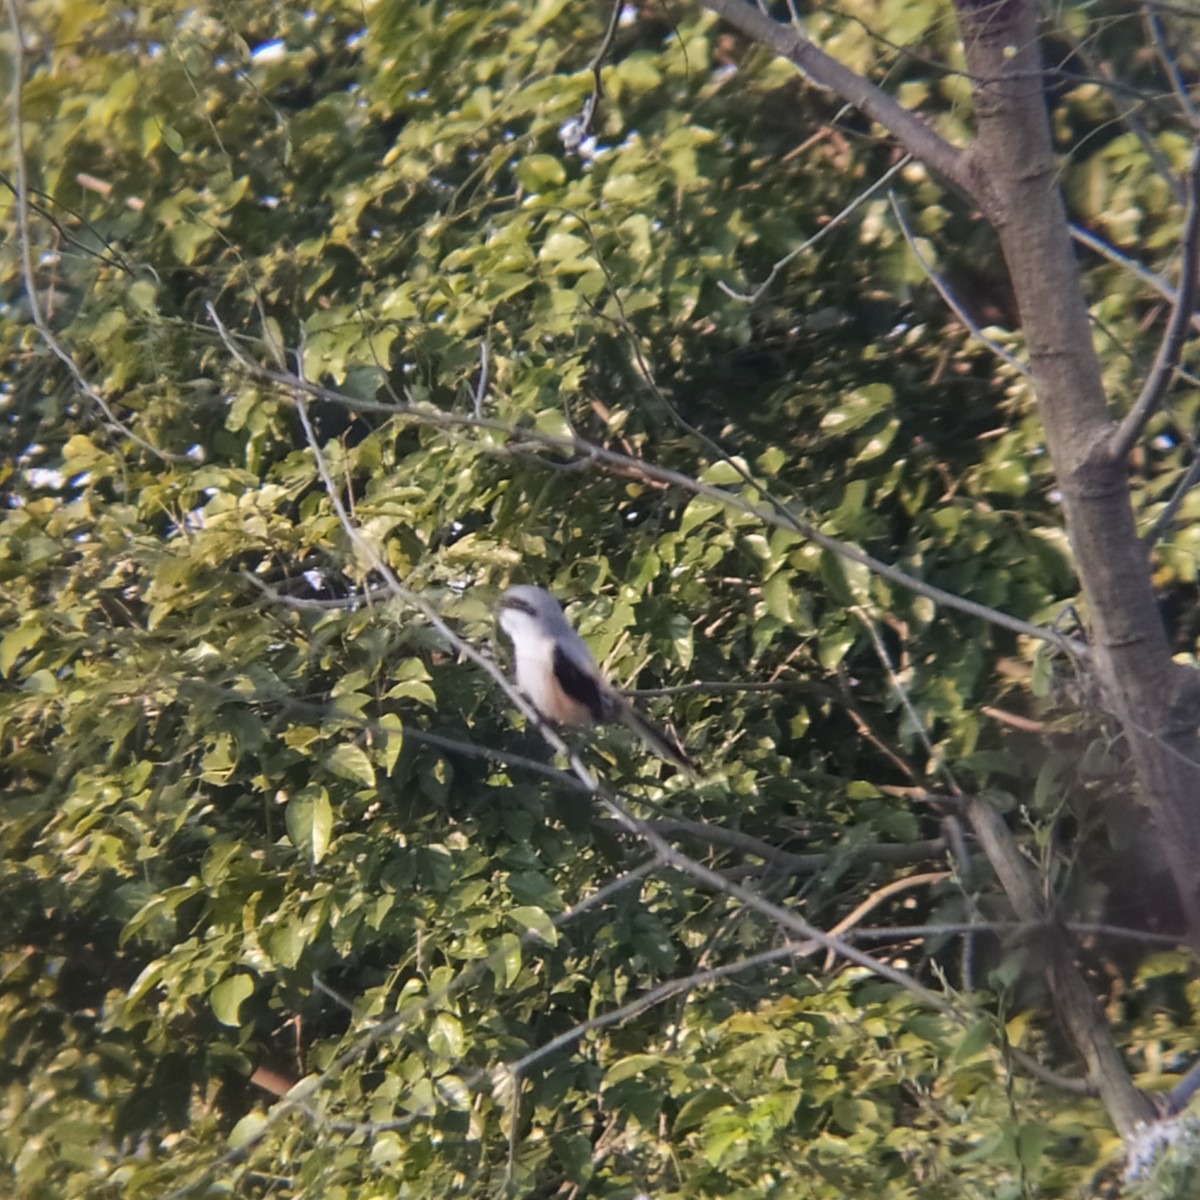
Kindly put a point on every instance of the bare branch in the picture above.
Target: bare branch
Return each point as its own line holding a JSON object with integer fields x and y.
{"x": 777, "y": 516}
{"x": 878, "y": 896}
{"x": 1169, "y": 350}
{"x": 664, "y": 853}
{"x": 1073, "y": 998}
{"x": 718, "y": 686}
{"x": 829, "y": 226}
{"x": 1157, "y": 282}
{"x": 949, "y": 297}
{"x": 593, "y": 101}
{"x": 358, "y": 599}
{"x": 110, "y": 256}
{"x": 322, "y": 712}
{"x": 667, "y": 854}
{"x": 1086, "y": 1025}
{"x": 1100, "y": 70}
{"x": 482, "y": 385}
{"x": 917, "y": 138}
{"x": 1163, "y": 521}
{"x": 718, "y": 837}
{"x": 1171, "y": 66}
{"x": 954, "y": 928}
{"x": 664, "y": 991}
{"x": 1180, "y": 1095}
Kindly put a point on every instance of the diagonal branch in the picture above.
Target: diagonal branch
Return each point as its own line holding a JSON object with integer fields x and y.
{"x": 757, "y": 294}
{"x": 1085, "y": 238}
{"x": 777, "y": 516}
{"x": 1170, "y": 65}
{"x": 1169, "y": 350}
{"x": 825, "y": 71}
{"x": 1163, "y": 521}
{"x": 948, "y": 296}
{"x": 1073, "y": 998}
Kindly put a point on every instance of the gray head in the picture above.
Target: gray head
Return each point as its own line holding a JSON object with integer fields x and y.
{"x": 533, "y": 601}
{"x": 551, "y": 663}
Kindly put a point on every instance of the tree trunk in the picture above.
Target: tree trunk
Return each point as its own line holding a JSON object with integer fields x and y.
{"x": 1015, "y": 175}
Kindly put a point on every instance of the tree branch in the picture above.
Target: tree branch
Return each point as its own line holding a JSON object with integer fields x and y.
{"x": 1163, "y": 521}
{"x": 718, "y": 837}
{"x": 825, "y": 71}
{"x": 829, "y": 226}
{"x": 1127, "y": 433}
{"x": 948, "y": 296}
{"x": 1073, "y": 998}
{"x": 1157, "y": 282}
{"x": 1171, "y": 66}
{"x": 778, "y": 516}
{"x": 667, "y": 853}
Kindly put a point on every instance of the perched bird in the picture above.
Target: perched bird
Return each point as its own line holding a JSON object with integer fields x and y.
{"x": 554, "y": 668}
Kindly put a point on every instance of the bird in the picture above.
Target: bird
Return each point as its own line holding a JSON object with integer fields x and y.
{"x": 555, "y": 670}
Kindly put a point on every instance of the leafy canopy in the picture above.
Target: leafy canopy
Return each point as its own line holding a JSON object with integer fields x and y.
{"x": 244, "y": 823}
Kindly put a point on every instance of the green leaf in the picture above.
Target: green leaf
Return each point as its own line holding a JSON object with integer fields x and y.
{"x": 505, "y": 959}
{"x": 633, "y": 1066}
{"x": 538, "y": 171}
{"x": 393, "y": 741}
{"x": 227, "y": 997}
{"x": 247, "y": 1131}
{"x": 978, "y": 1038}
{"x": 16, "y": 641}
{"x": 534, "y": 920}
{"x": 351, "y": 762}
{"x": 445, "y": 1037}
{"x": 309, "y": 818}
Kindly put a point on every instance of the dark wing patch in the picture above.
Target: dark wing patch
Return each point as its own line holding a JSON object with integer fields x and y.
{"x": 579, "y": 685}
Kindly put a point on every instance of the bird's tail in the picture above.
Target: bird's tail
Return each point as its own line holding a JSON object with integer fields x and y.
{"x": 664, "y": 744}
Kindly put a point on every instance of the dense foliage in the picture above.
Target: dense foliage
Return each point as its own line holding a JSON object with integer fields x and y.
{"x": 253, "y": 835}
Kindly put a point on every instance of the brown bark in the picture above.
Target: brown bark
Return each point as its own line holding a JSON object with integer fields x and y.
{"x": 1011, "y": 173}
{"x": 1015, "y": 179}
{"x": 1075, "y": 1006}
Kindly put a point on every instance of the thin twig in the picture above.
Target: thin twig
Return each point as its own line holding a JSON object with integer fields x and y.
{"x": 885, "y": 660}
{"x": 1171, "y": 67}
{"x": 110, "y": 256}
{"x": 1167, "y": 359}
{"x": 948, "y": 296}
{"x": 588, "y": 120}
{"x": 1102, "y": 72}
{"x": 1017, "y": 928}
{"x": 296, "y": 1100}
{"x": 718, "y": 837}
{"x": 21, "y": 191}
{"x": 914, "y": 135}
{"x": 779, "y": 517}
{"x": 830, "y": 225}
{"x": 1163, "y": 521}
{"x": 718, "y": 686}
{"x": 878, "y": 896}
{"x": 1157, "y": 282}
{"x": 482, "y": 385}
{"x": 666, "y": 852}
